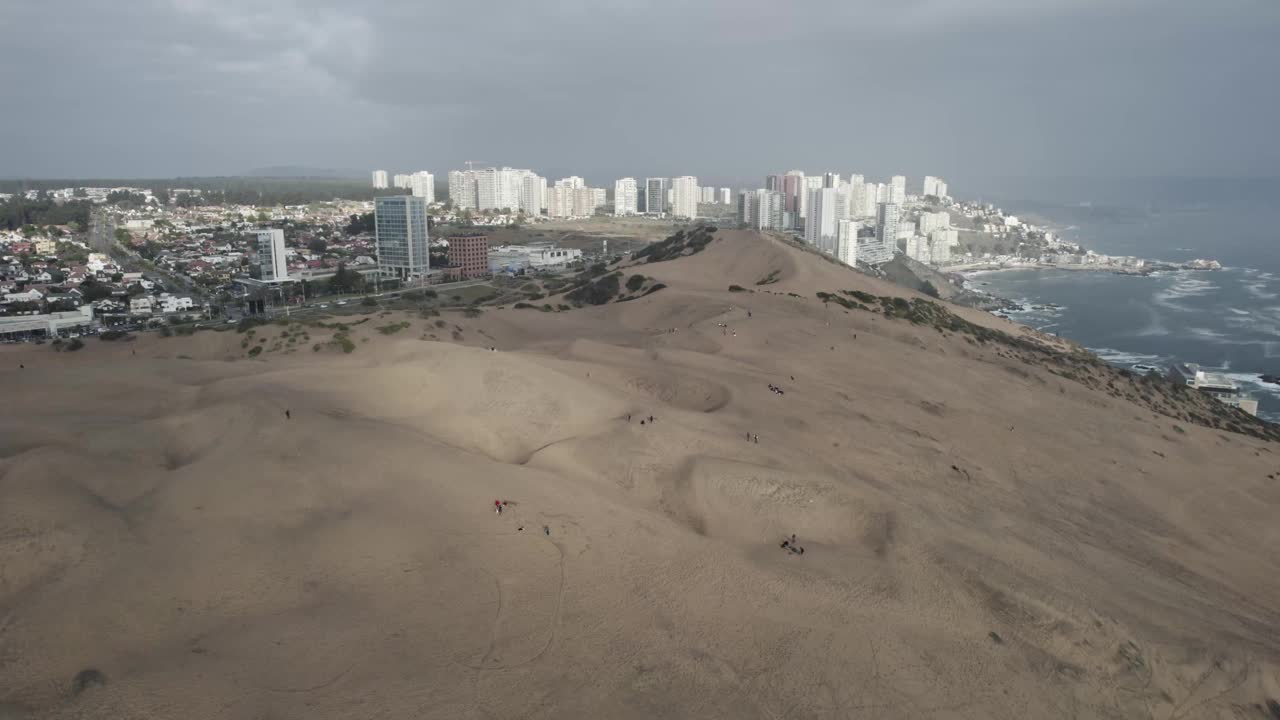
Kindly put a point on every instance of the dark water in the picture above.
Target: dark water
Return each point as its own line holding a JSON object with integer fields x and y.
{"x": 1228, "y": 320}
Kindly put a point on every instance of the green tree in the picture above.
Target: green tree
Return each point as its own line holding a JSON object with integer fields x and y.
{"x": 317, "y": 245}
{"x": 92, "y": 290}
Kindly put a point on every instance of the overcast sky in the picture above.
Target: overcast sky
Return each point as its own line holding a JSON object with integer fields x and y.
{"x": 725, "y": 89}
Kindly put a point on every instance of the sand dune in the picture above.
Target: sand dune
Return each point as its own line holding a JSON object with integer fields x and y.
{"x": 984, "y": 539}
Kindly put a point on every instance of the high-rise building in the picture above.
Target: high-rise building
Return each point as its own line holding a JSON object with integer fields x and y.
{"x": 708, "y": 194}
{"x": 769, "y": 210}
{"x": 599, "y": 198}
{"x": 533, "y": 195}
{"x": 400, "y": 222}
{"x": 470, "y": 255}
{"x": 401, "y": 180}
{"x": 584, "y": 202}
{"x": 793, "y": 190}
{"x": 746, "y": 198}
{"x": 882, "y": 194}
{"x": 887, "y": 217}
{"x": 930, "y": 221}
{"x": 624, "y": 196}
{"x": 423, "y": 185}
{"x": 655, "y": 196}
{"x": 831, "y": 180}
{"x": 898, "y": 190}
{"x": 462, "y": 189}
{"x": 934, "y": 186}
{"x": 272, "y": 257}
{"x": 379, "y": 179}
{"x": 869, "y": 201}
{"x": 572, "y": 181}
{"x": 500, "y": 188}
{"x": 847, "y": 241}
{"x": 686, "y": 194}
{"x": 726, "y": 196}
{"x": 560, "y": 200}
{"x": 825, "y": 210}
{"x": 917, "y": 249}
{"x": 760, "y": 209}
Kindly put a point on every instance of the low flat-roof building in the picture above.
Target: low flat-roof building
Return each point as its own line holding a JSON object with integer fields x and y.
{"x": 1217, "y": 385}
{"x": 49, "y": 324}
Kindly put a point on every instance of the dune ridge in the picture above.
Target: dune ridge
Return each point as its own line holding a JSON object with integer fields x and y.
{"x": 984, "y": 536}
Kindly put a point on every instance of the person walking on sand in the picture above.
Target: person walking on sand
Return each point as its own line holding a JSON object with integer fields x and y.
{"x": 287, "y": 415}
{"x": 497, "y": 506}
{"x": 756, "y": 439}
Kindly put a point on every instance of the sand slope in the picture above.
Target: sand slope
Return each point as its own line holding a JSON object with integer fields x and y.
{"x": 983, "y": 539}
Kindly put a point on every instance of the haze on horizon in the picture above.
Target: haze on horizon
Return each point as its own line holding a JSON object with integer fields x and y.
{"x": 724, "y": 89}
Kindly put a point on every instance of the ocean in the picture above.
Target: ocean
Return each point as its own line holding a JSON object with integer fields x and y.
{"x": 1227, "y": 320}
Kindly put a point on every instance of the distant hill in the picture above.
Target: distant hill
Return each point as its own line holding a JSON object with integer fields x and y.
{"x": 299, "y": 171}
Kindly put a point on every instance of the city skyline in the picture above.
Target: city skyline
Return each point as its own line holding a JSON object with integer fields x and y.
{"x": 209, "y": 88}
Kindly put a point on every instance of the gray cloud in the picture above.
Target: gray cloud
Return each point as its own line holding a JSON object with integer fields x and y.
{"x": 723, "y": 88}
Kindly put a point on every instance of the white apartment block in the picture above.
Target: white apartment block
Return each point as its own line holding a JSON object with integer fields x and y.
{"x": 599, "y": 198}
{"x": 655, "y": 196}
{"x": 847, "y": 241}
{"x": 898, "y": 190}
{"x": 685, "y": 194}
{"x": 726, "y": 196}
{"x": 272, "y": 257}
{"x": 826, "y": 209}
{"x": 624, "y": 197}
{"x": 560, "y": 201}
{"x": 533, "y": 195}
{"x": 462, "y": 189}
{"x": 934, "y": 186}
{"x": 423, "y": 185}
{"x": 584, "y": 201}
{"x": 401, "y": 180}
{"x": 708, "y": 194}
{"x": 930, "y": 221}
{"x": 379, "y": 179}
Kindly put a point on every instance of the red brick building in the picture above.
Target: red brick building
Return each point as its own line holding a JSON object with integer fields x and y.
{"x": 470, "y": 254}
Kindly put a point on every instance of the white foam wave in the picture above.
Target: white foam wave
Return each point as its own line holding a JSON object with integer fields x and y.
{"x": 1126, "y": 358}
{"x": 1206, "y": 333}
{"x": 1239, "y": 311}
{"x": 1258, "y": 290}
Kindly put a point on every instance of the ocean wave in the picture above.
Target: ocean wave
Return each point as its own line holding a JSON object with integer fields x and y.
{"x": 1256, "y": 290}
{"x": 1239, "y": 312}
{"x": 1126, "y": 358}
{"x": 1251, "y": 383}
{"x": 1206, "y": 333}
{"x": 1185, "y": 285}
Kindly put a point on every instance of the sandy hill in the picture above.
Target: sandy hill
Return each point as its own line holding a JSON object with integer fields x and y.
{"x": 993, "y": 527}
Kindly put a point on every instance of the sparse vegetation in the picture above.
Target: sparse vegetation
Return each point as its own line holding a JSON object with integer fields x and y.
{"x": 769, "y": 279}
{"x": 737, "y": 288}
{"x": 249, "y": 323}
{"x": 682, "y": 243}
{"x": 255, "y": 351}
{"x": 598, "y": 292}
{"x": 635, "y": 282}
{"x": 113, "y": 335}
{"x": 393, "y": 328}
